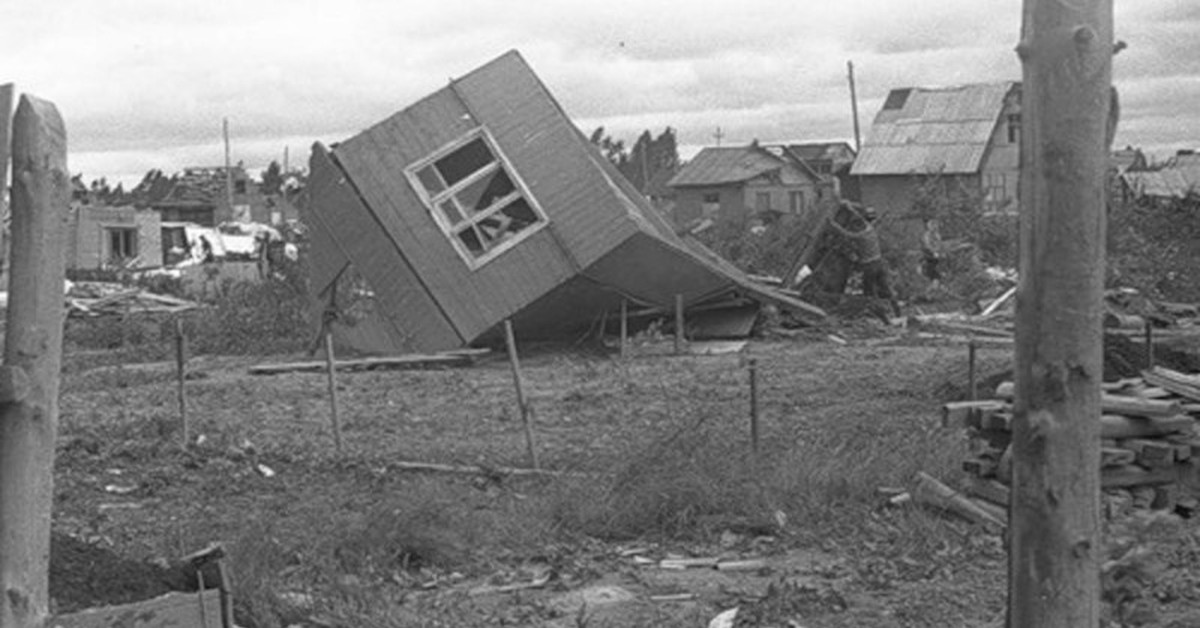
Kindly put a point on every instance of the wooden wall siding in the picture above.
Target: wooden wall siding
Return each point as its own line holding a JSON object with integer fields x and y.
{"x": 546, "y": 148}
{"x": 652, "y": 271}
{"x": 365, "y": 328}
{"x": 473, "y": 300}
{"x": 413, "y": 314}
{"x": 568, "y": 311}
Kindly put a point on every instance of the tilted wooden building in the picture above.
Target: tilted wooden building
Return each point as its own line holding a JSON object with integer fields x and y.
{"x": 481, "y": 203}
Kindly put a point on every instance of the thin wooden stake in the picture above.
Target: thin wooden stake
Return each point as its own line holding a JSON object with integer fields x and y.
{"x": 753, "y": 367}
{"x": 679, "y": 324}
{"x": 972, "y": 347}
{"x": 331, "y": 370}
{"x": 1149, "y": 345}
{"x": 522, "y": 404}
{"x": 181, "y": 375}
{"x": 32, "y": 356}
{"x": 624, "y": 328}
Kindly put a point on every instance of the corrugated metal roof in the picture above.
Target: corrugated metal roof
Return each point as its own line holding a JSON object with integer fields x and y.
{"x": 1171, "y": 182}
{"x": 725, "y": 164}
{"x": 934, "y": 130}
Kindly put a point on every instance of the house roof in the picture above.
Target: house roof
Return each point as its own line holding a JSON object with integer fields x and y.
{"x": 926, "y": 130}
{"x": 719, "y": 165}
{"x": 723, "y": 165}
{"x": 816, "y": 151}
{"x": 1177, "y": 180}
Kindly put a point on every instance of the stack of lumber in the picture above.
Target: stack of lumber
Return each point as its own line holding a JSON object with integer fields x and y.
{"x": 1149, "y": 434}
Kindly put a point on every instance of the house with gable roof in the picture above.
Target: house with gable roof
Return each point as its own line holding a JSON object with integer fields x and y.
{"x": 737, "y": 182}
{"x": 968, "y": 135}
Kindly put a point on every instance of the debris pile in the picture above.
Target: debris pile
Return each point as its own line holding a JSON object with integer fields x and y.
{"x": 1150, "y": 441}
{"x": 94, "y": 298}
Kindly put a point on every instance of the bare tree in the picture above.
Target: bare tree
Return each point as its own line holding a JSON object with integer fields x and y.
{"x": 1066, "y": 51}
{"x": 32, "y": 356}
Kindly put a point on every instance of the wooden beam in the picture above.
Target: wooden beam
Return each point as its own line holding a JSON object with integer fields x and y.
{"x": 33, "y": 343}
{"x": 1055, "y": 546}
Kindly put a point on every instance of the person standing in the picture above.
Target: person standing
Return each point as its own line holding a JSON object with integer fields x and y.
{"x": 931, "y": 255}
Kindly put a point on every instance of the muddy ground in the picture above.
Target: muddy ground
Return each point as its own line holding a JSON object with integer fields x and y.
{"x": 262, "y": 476}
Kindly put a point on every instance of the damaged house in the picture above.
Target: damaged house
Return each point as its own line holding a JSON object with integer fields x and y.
{"x": 483, "y": 203}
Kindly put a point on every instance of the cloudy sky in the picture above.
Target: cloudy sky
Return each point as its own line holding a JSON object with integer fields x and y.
{"x": 146, "y": 83}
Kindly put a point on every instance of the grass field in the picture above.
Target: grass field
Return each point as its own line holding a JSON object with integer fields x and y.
{"x": 654, "y": 460}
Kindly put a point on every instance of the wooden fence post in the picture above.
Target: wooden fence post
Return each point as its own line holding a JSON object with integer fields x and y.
{"x": 32, "y": 360}
{"x": 753, "y": 368}
{"x": 624, "y": 328}
{"x": 331, "y": 371}
{"x": 181, "y": 375}
{"x": 679, "y": 322}
{"x": 523, "y": 405}
{"x": 1055, "y": 548}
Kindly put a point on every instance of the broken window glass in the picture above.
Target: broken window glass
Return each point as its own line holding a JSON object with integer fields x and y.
{"x": 485, "y": 191}
{"x": 430, "y": 179}
{"x": 464, "y": 161}
{"x": 479, "y": 202}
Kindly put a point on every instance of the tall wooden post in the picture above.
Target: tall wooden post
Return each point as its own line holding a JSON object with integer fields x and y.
{"x": 32, "y": 356}
{"x": 1054, "y": 557}
{"x": 624, "y": 328}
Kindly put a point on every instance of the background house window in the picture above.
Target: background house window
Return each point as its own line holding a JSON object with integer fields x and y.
{"x": 122, "y": 243}
{"x": 1014, "y": 128}
{"x": 474, "y": 199}
{"x": 713, "y": 198}
{"x": 796, "y": 201}
{"x": 995, "y": 189}
{"x": 762, "y": 201}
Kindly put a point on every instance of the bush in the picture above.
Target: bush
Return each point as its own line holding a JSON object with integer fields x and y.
{"x": 1154, "y": 248}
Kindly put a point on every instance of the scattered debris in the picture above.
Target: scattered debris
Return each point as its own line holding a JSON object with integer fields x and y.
{"x": 100, "y": 299}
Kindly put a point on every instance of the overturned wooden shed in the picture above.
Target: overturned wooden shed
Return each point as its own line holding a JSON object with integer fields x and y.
{"x": 481, "y": 203}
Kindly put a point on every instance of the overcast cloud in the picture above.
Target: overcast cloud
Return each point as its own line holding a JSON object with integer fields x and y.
{"x": 145, "y": 84}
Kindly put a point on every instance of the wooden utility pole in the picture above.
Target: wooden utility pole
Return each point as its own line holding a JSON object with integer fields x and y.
{"x": 228, "y": 165}
{"x": 32, "y": 356}
{"x": 854, "y": 106}
{"x": 1055, "y": 548}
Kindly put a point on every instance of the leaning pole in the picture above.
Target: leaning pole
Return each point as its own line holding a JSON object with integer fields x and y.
{"x": 1068, "y": 114}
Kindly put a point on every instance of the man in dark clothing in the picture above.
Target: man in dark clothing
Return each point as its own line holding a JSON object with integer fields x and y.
{"x": 861, "y": 243}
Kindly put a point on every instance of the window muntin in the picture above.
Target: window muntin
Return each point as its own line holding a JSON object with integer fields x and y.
{"x": 476, "y": 199}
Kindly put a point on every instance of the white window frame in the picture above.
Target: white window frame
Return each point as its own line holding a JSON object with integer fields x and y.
{"x": 451, "y": 230}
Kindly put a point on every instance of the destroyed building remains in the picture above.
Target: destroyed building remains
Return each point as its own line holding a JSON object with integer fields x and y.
{"x": 483, "y": 203}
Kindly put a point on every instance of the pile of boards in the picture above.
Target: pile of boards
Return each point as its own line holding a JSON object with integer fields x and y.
{"x": 1150, "y": 441}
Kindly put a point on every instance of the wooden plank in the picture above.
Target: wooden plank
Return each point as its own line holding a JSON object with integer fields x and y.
{"x": 991, "y": 490}
{"x": 413, "y": 361}
{"x": 932, "y": 492}
{"x": 1179, "y": 383}
{"x": 1115, "y": 404}
{"x": 1133, "y": 475}
{"x": 968, "y": 414}
{"x": 1116, "y": 457}
{"x": 1117, "y": 426}
{"x": 173, "y": 610}
{"x": 1150, "y": 453}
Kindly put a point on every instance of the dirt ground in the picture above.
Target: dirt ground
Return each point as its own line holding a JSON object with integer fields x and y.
{"x": 262, "y": 476}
